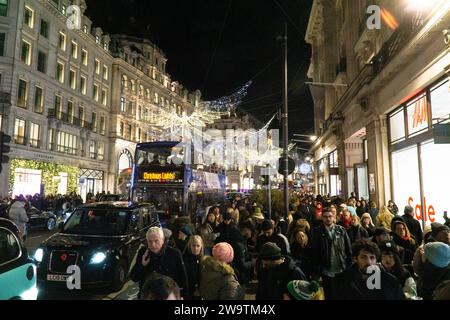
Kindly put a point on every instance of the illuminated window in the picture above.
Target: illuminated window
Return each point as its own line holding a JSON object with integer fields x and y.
{"x": 29, "y": 17}
{"x": 26, "y": 52}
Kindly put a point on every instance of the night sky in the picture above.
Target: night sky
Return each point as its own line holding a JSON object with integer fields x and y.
{"x": 218, "y": 45}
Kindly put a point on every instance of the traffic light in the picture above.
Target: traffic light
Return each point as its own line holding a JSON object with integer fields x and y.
{"x": 4, "y": 148}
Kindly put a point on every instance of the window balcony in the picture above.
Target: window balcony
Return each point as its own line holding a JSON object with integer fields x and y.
{"x": 69, "y": 119}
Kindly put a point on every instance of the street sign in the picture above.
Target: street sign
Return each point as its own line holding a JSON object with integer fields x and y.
{"x": 442, "y": 133}
{"x": 291, "y": 166}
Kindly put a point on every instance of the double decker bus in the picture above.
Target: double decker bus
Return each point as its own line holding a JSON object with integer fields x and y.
{"x": 163, "y": 176}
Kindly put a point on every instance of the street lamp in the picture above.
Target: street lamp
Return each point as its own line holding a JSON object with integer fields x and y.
{"x": 310, "y": 137}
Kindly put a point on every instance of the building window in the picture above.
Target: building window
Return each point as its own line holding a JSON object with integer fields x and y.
{"x": 97, "y": 39}
{"x": 94, "y": 122}
{"x": 19, "y": 131}
{"x": 417, "y": 112}
{"x": 92, "y": 154}
{"x": 2, "y": 43}
{"x": 333, "y": 160}
{"x": 74, "y": 50}
{"x": 156, "y": 98}
{"x": 124, "y": 82}
{"x": 60, "y": 72}
{"x": 105, "y": 46}
{"x": 141, "y": 90}
{"x": 128, "y": 133}
{"x": 122, "y": 129}
{"x": 70, "y": 111}
{"x": 84, "y": 57}
{"x": 102, "y": 125}
{"x": 85, "y": 28}
{"x": 133, "y": 86}
{"x": 83, "y": 85}
{"x": 67, "y": 143}
{"x": 42, "y": 62}
{"x": 81, "y": 116}
{"x": 58, "y": 107}
{"x": 97, "y": 66}
{"x": 95, "y": 93}
{"x": 22, "y": 96}
{"x": 64, "y": 9}
{"x": 3, "y": 8}
{"x": 44, "y": 28}
{"x": 26, "y": 52}
{"x": 148, "y": 95}
{"x": 73, "y": 79}
{"x": 139, "y": 113}
{"x": 62, "y": 41}
{"x": 51, "y": 139}
{"x": 35, "y": 130}
{"x": 105, "y": 72}
{"x": 397, "y": 126}
{"x": 104, "y": 97}
{"x": 39, "y": 100}
{"x": 29, "y": 17}
{"x": 122, "y": 104}
{"x": 440, "y": 102}
{"x": 130, "y": 107}
{"x": 101, "y": 151}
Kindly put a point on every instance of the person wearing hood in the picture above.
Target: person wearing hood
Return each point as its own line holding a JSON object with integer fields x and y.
{"x": 275, "y": 272}
{"x": 269, "y": 235}
{"x": 436, "y": 269}
{"x": 384, "y": 218}
{"x": 183, "y": 237}
{"x": 217, "y": 278}
{"x": 390, "y": 260}
{"x": 18, "y": 215}
{"x": 403, "y": 238}
{"x": 156, "y": 256}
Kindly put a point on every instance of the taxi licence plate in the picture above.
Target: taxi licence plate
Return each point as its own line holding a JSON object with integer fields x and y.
{"x": 57, "y": 277}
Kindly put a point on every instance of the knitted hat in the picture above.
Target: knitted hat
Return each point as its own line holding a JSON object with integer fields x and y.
{"x": 389, "y": 246}
{"x": 186, "y": 230}
{"x": 223, "y": 252}
{"x": 438, "y": 254}
{"x": 352, "y": 210}
{"x": 436, "y": 228}
{"x": 303, "y": 290}
{"x": 266, "y": 225}
{"x": 270, "y": 251}
{"x": 380, "y": 231}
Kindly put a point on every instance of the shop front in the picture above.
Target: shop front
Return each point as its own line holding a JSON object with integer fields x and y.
{"x": 30, "y": 177}
{"x": 420, "y": 168}
{"x": 90, "y": 181}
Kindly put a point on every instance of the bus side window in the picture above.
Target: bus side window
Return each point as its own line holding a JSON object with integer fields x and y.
{"x": 146, "y": 218}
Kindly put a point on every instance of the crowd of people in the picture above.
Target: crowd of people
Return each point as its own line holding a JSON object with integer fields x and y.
{"x": 325, "y": 249}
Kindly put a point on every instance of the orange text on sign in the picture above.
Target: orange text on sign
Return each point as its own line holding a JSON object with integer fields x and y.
{"x": 429, "y": 212}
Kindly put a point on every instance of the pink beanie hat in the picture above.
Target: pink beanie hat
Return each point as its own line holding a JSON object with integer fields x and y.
{"x": 223, "y": 252}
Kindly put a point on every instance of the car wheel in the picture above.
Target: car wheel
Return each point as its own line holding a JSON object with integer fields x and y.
{"x": 51, "y": 223}
{"x": 119, "y": 276}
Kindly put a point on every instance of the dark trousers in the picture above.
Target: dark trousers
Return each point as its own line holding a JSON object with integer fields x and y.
{"x": 329, "y": 287}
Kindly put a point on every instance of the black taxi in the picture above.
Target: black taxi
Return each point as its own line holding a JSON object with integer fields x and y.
{"x": 100, "y": 240}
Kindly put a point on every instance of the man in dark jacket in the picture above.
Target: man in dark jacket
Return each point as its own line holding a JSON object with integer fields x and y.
{"x": 275, "y": 272}
{"x": 412, "y": 224}
{"x": 156, "y": 257}
{"x": 306, "y": 211}
{"x": 269, "y": 235}
{"x": 332, "y": 252}
{"x": 365, "y": 280}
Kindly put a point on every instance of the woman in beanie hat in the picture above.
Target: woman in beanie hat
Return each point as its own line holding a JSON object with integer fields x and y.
{"x": 436, "y": 269}
{"x": 303, "y": 290}
{"x": 218, "y": 280}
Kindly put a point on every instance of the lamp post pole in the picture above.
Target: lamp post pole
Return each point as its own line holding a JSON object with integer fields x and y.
{"x": 285, "y": 118}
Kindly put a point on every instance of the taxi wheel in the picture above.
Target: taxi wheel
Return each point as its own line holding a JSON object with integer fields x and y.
{"x": 120, "y": 275}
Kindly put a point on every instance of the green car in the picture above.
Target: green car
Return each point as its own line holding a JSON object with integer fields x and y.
{"x": 17, "y": 270}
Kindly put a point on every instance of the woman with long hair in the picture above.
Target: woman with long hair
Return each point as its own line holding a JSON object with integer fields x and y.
{"x": 301, "y": 250}
{"x": 403, "y": 238}
{"x": 367, "y": 223}
{"x": 192, "y": 257}
{"x": 208, "y": 231}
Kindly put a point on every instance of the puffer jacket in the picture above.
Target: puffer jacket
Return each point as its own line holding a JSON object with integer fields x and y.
{"x": 218, "y": 281}
{"x": 18, "y": 215}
